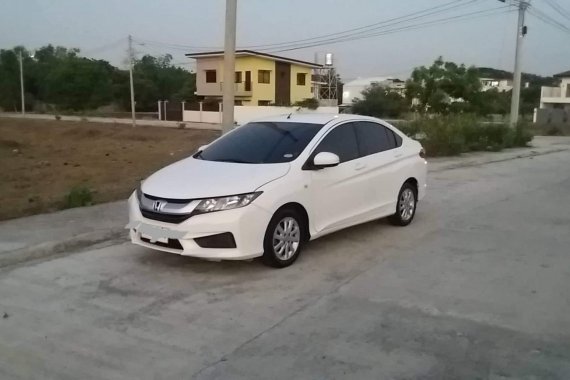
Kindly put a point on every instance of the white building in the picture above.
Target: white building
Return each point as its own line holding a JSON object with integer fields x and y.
{"x": 557, "y": 97}
{"x": 502, "y": 85}
{"x": 353, "y": 89}
{"x": 555, "y": 102}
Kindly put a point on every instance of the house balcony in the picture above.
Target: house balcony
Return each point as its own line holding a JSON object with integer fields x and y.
{"x": 554, "y": 95}
{"x": 243, "y": 90}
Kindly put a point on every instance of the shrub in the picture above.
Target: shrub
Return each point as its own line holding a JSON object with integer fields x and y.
{"x": 455, "y": 134}
{"x": 181, "y": 125}
{"x": 554, "y": 131}
{"x": 522, "y": 134}
{"x": 310, "y": 103}
{"x": 79, "y": 196}
{"x": 57, "y": 117}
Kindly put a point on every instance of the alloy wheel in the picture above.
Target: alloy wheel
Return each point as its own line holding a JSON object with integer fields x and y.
{"x": 407, "y": 204}
{"x": 286, "y": 238}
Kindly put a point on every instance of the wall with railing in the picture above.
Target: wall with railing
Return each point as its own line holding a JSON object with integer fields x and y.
{"x": 244, "y": 114}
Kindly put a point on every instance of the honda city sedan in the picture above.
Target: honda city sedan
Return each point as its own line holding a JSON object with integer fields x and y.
{"x": 268, "y": 187}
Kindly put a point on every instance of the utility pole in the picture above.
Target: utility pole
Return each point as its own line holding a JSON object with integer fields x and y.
{"x": 521, "y": 32}
{"x": 22, "y": 83}
{"x": 229, "y": 67}
{"x": 131, "y": 56}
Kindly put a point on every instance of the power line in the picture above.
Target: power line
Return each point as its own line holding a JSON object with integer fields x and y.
{"x": 371, "y": 27}
{"x": 440, "y": 9}
{"x": 558, "y": 8}
{"x": 374, "y": 30}
{"x": 409, "y": 17}
{"x": 105, "y": 47}
{"x": 174, "y": 46}
{"x": 548, "y": 20}
{"x": 441, "y": 21}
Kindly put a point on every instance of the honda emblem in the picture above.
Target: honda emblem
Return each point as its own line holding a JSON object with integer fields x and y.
{"x": 157, "y": 206}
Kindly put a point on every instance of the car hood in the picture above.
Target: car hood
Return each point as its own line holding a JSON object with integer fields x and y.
{"x": 194, "y": 178}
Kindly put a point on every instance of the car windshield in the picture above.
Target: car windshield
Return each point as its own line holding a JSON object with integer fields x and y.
{"x": 262, "y": 143}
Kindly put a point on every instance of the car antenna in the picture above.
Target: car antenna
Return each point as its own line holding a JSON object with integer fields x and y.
{"x": 289, "y": 116}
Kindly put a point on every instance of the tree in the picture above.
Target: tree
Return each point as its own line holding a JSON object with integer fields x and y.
{"x": 59, "y": 77}
{"x": 155, "y": 78}
{"x": 9, "y": 80}
{"x": 435, "y": 88}
{"x": 78, "y": 83}
{"x": 380, "y": 101}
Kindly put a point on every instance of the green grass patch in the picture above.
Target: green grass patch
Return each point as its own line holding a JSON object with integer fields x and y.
{"x": 78, "y": 196}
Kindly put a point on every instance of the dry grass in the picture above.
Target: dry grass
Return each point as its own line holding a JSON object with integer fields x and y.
{"x": 41, "y": 160}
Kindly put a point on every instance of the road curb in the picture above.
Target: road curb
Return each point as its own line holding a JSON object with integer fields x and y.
{"x": 532, "y": 153}
{"x": 61, "y": 247}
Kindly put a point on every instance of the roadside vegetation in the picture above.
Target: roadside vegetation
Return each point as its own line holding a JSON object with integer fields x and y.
{"x": 448, "y": 88}
{"x": 450, "y": 135}
{"x": 451, "y": 113}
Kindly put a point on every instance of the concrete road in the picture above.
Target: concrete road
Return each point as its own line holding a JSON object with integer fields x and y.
{"x": 478, "y": 287}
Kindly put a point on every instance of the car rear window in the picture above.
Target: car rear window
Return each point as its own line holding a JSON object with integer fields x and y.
{"x": 262, "y": 143}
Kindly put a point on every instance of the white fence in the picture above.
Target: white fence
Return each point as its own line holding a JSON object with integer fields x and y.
{"x": 244, "y": 114}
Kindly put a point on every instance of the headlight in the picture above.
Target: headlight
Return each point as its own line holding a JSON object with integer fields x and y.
{"x": 225, "y": 203}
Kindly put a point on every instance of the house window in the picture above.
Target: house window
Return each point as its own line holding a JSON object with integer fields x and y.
{"x": 238, "y": 77}
{"x": 301, "y": 79}
{"x": 263, "y": 102}
{"x": 211, "y": 76}
{"x": 263, "y": 76}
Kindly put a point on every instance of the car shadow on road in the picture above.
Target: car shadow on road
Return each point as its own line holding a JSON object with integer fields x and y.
{"x": 353, "y": 243}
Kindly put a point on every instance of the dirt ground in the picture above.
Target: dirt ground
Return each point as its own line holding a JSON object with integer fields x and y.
{"x": 41, "y": 161}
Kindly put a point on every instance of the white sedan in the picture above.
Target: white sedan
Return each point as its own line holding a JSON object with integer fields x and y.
{"x": 270, "y": 186}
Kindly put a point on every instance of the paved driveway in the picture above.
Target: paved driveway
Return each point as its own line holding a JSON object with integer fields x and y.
{"x": 478, "y": 287}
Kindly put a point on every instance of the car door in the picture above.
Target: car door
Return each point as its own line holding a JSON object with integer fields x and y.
{"x": 338, "y": 194}
{"x": 379, "y": 154}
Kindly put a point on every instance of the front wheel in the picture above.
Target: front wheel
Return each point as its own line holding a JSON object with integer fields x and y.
{"x": 406, "y": 205}
{"x": 283, "y": 239}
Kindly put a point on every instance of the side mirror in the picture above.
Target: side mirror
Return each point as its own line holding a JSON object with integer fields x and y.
{"x": 325, "y": 160}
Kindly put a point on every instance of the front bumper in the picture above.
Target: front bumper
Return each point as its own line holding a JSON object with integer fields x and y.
{"x": 246, "y": 224}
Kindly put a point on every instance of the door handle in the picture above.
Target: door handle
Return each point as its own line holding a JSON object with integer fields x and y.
{"x": 398, "y": 155}
{"x": 359, "y": 166}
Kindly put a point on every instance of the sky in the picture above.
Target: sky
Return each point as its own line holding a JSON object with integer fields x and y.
{"x": 100, "y": 29}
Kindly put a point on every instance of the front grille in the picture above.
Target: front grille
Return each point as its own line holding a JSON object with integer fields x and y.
{"x": 224, "y": 240}
{"x": 166, "y": 218}
{"x": 172, "y": 243}
{"x": 169, "y": 200}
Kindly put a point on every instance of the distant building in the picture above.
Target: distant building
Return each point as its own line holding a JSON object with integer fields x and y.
{"x": 502, "y": 85}
{"x": 557, "y": 97}
{"x": 260, "y": 78}
{"x": 555, "y": 102}
{"x": 353, "y": 89}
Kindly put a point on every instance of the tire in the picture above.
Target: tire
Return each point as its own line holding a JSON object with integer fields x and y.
{"x": 406, "y": 205}
{"x": 282, "y": 249}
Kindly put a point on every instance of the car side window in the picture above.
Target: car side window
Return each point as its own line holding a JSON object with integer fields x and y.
{"x": 340, "y": 141}
{"x": 373, "y": 138}
{"x": 391, "y": 138}
{"x": 398, "y": 139}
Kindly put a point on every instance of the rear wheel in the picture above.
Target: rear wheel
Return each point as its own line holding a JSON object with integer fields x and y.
{"x": 283, "y": 239}
{"x": 406, "y": 205}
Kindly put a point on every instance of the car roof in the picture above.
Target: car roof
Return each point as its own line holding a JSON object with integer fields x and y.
{"x": 314, "y": 118}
